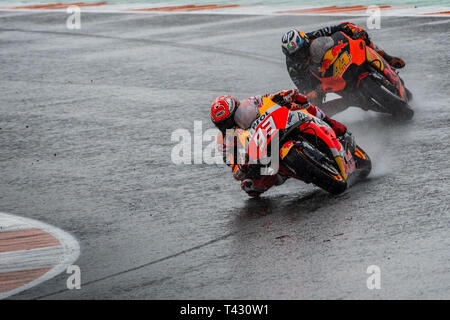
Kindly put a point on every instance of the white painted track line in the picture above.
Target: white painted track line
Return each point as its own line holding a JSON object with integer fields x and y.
{"x": 38, "y": 264}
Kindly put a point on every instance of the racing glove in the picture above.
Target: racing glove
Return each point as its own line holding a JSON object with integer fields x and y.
{"x": 312, "y": 95}
{"x": 354, "y": 32}
{"x": 395, "y": 62}
{"x": 316, "y": 96}
{"x": 361, "y": 34}
{"x": 288, "y": 98}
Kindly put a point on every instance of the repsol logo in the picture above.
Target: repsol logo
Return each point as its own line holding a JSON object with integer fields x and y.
{"x": 258, "y": 121}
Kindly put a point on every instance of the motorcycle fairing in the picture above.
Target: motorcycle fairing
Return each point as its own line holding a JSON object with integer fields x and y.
{"x": 341, "y": 65}
{"x": 274, "y": 118}
{"x": 323, "y": 131}
{"x": 379, "y": 63}
{"x": 347, "y": 53}
{"x": 264, "y": 129}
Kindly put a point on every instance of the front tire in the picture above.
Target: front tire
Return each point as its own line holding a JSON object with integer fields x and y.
{"x": 384, "y": 100}
{"x": 309, "y": 171}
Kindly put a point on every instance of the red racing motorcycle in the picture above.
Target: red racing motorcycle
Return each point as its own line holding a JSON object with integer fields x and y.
{"x": 306, "y": 149}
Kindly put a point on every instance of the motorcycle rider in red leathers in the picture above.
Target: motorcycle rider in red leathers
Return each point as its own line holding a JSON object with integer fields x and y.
{"x": 228, "y": 113}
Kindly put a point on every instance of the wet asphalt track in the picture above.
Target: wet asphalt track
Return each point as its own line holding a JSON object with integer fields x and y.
{"x": 86, "y": 121}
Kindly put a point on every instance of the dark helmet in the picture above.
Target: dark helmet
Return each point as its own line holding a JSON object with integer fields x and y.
{"x": 295, "y": 43}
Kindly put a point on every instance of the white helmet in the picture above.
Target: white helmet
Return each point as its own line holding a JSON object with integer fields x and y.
{"x": 294, "y": 41}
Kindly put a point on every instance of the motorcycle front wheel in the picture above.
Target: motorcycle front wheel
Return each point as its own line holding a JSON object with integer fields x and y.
{"x": 384, "y": 100}
{"x": 309, "y": 170}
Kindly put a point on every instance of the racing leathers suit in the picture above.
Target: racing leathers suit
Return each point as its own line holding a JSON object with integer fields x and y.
{"x": 319, "y": 42}
{"x": 246, "y": 113}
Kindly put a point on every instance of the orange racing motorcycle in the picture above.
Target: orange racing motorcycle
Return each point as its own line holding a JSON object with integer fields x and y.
{"x": 304, "y": 147}
{"x": 358, "y": 72}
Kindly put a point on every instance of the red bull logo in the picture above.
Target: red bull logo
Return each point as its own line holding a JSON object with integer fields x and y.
{"x": 326, "y": 63}
{"x": 285, "y": 149}
{"x": 335, "y": 51}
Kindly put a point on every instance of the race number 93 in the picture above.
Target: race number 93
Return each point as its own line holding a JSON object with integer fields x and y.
{"x": 266, "y": 129}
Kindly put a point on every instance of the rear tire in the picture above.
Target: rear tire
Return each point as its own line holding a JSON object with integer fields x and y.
{"x": 384, "y": 99}
{"x": 305, "y": 169}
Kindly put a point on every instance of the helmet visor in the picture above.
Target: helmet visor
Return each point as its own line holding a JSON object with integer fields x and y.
{"x": 225, "y": 124}
{"x": 293, "y": 46}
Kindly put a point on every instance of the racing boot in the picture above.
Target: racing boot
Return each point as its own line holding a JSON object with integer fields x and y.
{"x": 395, "y": 62}
{"x": 255, "y": 187}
